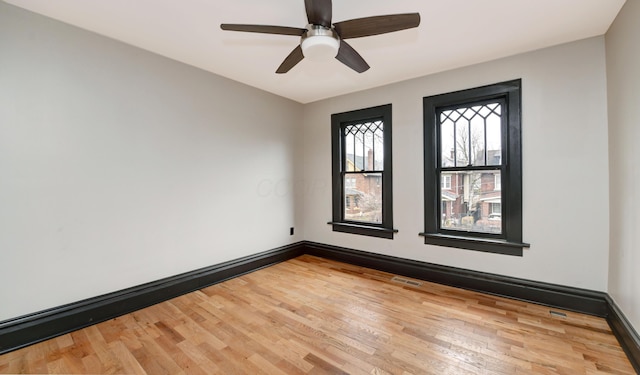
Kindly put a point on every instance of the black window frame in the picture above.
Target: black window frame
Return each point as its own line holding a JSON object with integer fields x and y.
{"x": 338, "y": 122}
{"x": 509, "y": 241}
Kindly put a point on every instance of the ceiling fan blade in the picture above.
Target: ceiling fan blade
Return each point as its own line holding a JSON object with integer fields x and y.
{"x": 349, "y": 57}
{"x": 319, "y": 12}
{"x": 290, "y": 61}
{"x": 264, "y": 29}
{"x": 376, "y": 25}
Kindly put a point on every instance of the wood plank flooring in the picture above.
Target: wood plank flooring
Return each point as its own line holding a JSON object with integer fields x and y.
{"x": 314, "y": 316}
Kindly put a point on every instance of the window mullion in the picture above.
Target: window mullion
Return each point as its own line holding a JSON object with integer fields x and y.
{"x": 472, "y": 168}
{"x": 373, "y": 149}
{"x": 469, "y": 156}
{"x": 455, "y": 143}
{"x": 486, "y": 148}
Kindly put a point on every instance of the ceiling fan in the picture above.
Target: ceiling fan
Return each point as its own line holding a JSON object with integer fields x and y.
{"x": 321, "y": 38}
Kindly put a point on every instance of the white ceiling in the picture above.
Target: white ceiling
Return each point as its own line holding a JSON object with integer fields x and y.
{"x": 453, "y": 33}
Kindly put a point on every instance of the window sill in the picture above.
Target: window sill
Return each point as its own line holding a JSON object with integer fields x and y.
{"x": 475, "y": 243}
{"x": 363, "y": 229}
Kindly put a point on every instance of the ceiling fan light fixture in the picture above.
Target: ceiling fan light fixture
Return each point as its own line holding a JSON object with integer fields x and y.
{"x": 320, "y": 43}
{"x": 324, "y": 40}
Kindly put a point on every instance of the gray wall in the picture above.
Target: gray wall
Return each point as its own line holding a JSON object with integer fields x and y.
{"x": 566, "y": 208}
{"x": 120, "y": 167}
{"x": 623, "y": 77}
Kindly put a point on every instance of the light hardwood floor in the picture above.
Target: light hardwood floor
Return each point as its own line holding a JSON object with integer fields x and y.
{"x": 314, "y": 316}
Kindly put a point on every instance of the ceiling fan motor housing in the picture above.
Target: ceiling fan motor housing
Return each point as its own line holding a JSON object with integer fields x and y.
{"x": 320, "y": 43}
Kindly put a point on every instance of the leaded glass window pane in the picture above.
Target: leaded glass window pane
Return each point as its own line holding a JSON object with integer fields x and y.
{"x": 364, "y": 145}
{"x": 471, "y": 136}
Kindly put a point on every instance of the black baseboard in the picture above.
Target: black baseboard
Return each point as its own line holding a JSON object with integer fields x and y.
{"x": 558, "y": 296}
{"x": 624, "y": 332}
{"x": 30, "y": 329}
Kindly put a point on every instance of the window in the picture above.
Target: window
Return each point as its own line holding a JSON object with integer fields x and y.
{"x": 361, "y": 172}
{"x": 473, "y": 168}
{"x": 445, "y": 182}
{"x": 350, "y": 183}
